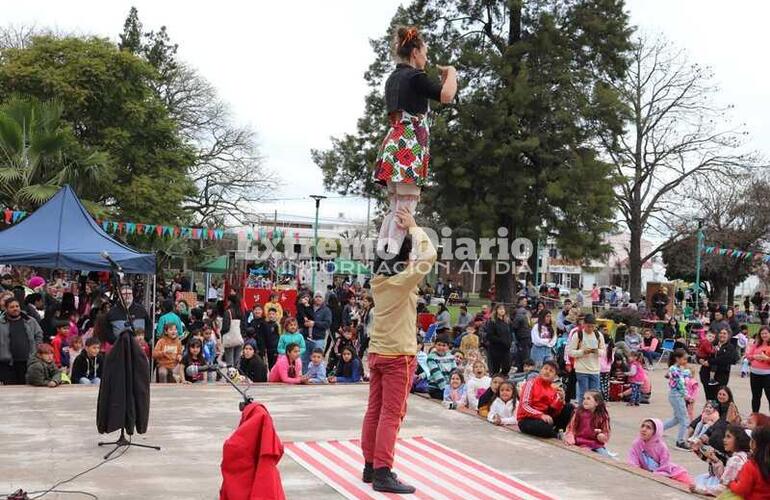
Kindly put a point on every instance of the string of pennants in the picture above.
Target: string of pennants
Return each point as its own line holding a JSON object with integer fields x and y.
{"x": 162, "y": 231}
{"x": 736, "y": 254}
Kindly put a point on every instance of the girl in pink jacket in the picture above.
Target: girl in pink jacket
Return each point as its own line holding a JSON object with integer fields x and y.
{"x": 288, "y": 368}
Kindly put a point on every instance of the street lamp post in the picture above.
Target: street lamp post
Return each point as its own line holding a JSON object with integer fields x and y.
{"x": 698, "y": 246}
{"x": 317, "y": 198}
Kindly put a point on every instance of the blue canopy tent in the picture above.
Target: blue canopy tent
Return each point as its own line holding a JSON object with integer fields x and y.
{"x": 62, "y": 235}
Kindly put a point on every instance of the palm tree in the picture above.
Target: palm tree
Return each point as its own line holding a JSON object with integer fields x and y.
{"x": 39, "y": 154}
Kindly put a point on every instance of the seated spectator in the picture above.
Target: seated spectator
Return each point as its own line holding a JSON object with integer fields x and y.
{"x": 194, "y": 357}
{"x": 345, "y": 339}
{"x": 502, "y": 411}
{"x": 489, "y": 396}
{"x": 441, "y": 363}
{"x": 528, "y": 372}
{"x": 74, "y": 350}
{"x": 87, "y": 366}
{"x": 143, "y": 345}
{"x": 708, "y": 417}
{"x": 168, "y": 355}
{"x": 721, "y": 474}
{"x": 753, "y": 481}
{"x": 542, "y": 411}
{"x": 649, "y": 452}
{"x": 590, "y": 425}
{"x": 348, "y": 369}
{"x": 459, "y": 360}
{"x": 649, "y": 346}
{"x": 633, "y": 340}
{"x": 316, "y": 371}
{"x": 42, "y": 371}
{"x": 455, "y": 394}
{"x": 288, "y": 368}
{"x": 60, "y": 345}
{"x": 477, "y": 384}
{"x": 251, "y": 365}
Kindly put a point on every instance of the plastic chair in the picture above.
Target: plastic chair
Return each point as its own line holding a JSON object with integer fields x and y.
{"x": 430, "y": 333}
{"x": 666, "y": 349}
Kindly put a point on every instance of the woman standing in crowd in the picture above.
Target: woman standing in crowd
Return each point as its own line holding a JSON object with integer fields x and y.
{"x": 499, "y": 339}
{"x": 231, "y": 318}
{"x": 543, "y": 339}
{"x": 758, "y": 355}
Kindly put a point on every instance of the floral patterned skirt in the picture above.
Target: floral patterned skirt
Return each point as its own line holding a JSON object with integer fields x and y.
{"x": 404, "y": 154}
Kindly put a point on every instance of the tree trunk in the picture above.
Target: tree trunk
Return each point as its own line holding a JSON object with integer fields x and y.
{"x": 635, "y": 262}
{"x": 731, "y": 295}
{"x": 486, "y": 276}
{"x": 504, "y": 287}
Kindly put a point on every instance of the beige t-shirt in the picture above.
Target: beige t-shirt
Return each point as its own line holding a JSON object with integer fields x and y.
{"x": 394, "y": 331}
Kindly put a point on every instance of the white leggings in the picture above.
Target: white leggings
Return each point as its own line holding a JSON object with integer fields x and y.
{"x": 402, "y": 195}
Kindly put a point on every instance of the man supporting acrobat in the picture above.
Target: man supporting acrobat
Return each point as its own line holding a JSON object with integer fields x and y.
{"x": 392, "y": 350}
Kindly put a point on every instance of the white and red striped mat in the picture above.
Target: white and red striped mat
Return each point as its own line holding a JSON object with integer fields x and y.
{"x": 436, "y": 471}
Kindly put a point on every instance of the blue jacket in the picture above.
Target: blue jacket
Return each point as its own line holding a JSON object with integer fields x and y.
{"x": 355, "y": 372}
{"x": 322, "y": 321}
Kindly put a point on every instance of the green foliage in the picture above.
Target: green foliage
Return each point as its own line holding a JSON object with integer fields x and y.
{"x": 106, "y": 96}
{"x": 39, "y": 153}
{"x": 517, "y": 150}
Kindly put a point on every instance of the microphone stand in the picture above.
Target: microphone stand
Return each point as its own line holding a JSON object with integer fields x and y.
{"x": 128, "y": 327}
{"x": 247, "y": 400}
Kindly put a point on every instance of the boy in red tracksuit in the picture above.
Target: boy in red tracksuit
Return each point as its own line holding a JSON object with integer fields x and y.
{"x": 59, "y": 342}
{"x": 542, "y": 411}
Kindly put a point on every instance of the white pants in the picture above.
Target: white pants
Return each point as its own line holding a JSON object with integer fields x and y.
{"x": 402, "y": 195}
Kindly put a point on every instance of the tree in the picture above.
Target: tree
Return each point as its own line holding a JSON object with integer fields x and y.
{"x": 39, "y": 154}
{"x": 735, "y": 214}
{"x": 106, "y": 98}
{"x": 674, "y": 133}
{"x": 518, "y": 150}
{"x": 227, "y": 170}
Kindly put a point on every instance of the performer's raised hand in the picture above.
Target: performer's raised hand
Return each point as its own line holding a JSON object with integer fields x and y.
{"x": 405, "y": 219}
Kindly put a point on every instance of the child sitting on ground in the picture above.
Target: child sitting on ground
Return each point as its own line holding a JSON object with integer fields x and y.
{"x": 528, "y": 372}
{"x": 477, "y": 384}
{"x": 459, "y": 360}
{"x": 502, "y": 411}
{"x": 87, "y": 366}
{"x": 168, "y": 355}
{"x": 708, "y": 417}
{"x": 590, "y": 425}
{"x": 455, "y": 395}
{"x": 441, "y": 364}
{"x": 649, "y": 452}
{"x": 288, "y": 368}
{"x": 60, "y": 345}
{"x": 290, "y": 335}
{"x": 194, "y": 357}
{"x": 636, "y": 377}
{"x": 73, "y": 351}
{"x": 316, "y": 370}
{"x": 706, "y": 349}
{"x": 251, "y": 365}
{"x": 348, "y": 369}
{"x": 344, "y": 339}
{"x": 489, "y": 396}
{"x": 42, "y": 371}
{"x": 142, "y": 343}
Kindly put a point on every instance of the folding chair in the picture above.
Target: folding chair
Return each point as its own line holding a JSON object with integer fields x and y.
{"x": 666, "y": 349}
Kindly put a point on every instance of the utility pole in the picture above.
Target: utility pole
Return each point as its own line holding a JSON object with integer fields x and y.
{"x": 698, "y": 246}
{"x": 317, "y": 198}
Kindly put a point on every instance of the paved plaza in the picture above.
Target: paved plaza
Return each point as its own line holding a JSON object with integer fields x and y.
{"x": 50, "y": 434}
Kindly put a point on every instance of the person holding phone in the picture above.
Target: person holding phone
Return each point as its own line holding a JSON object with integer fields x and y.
{"x": 585, "y": 347}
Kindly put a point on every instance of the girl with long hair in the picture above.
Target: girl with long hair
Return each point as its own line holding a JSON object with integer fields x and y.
{"x": 590, "y": 424}
{"x": 758, "y": 354}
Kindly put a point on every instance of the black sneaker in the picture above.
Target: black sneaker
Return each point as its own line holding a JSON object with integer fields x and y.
{"x": 683, "y": 445}
{"x": 385, "y": 482}
{"x": 368, "y": 474}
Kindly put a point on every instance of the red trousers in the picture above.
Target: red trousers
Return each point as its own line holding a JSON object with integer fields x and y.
{"x": 390, "y": 381}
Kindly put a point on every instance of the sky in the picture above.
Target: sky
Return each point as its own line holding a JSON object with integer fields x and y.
{"x": 293, "y": 71}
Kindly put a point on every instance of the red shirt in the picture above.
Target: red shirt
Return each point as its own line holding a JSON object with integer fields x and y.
{"x": 538, "y": 397}
{"x": 750, "y": 485}
{"x": 705, "y": 349}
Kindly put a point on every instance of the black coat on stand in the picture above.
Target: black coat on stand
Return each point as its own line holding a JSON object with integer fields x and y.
{"x": 124, "y": 392}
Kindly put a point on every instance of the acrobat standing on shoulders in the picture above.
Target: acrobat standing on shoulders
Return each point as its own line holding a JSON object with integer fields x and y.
{"x": 402, "y": 162}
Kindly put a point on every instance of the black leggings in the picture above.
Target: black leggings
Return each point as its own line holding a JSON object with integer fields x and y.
{"x": 536, "y": 427}
{"x": 499, "y": 361}
{"x": 759, "y": 383}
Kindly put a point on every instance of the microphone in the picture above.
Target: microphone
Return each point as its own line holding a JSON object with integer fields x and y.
{"x": 194, "y": 370}
{"x": 106, "y": 256}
